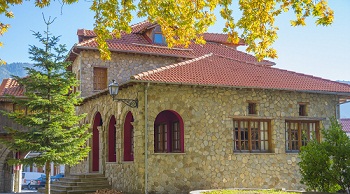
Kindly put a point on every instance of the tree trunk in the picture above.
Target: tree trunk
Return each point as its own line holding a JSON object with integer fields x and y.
{"x": 48, "y": 172}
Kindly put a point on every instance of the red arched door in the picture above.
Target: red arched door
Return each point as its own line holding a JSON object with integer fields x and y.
{"x": 112, "y": 140}
{"x": 96, "y": 143}
{"x": 129, "y": 138}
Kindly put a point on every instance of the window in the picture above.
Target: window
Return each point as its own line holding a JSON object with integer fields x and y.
{"x": 251, "y": 135}
{"x": 100, "y": 78}
{"x": 168, "y": 133}
{"x": 302, "y": 110}
{"x": 299, "y": 133}
{"x": 252, "y": 108}
{"x": 158, "y": 37}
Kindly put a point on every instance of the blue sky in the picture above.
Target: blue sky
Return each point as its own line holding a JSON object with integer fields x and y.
{"x": 318, "y": 51}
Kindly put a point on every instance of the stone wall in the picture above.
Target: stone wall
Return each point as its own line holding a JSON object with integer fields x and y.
{"x": 127, "y": 176}
{"x": 209, "y": 161}
{"x": 120, "y": 67}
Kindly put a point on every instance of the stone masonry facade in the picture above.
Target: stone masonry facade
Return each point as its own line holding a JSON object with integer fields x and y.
{"x": 209, "y": 160}
{"x": 120, "y": 68}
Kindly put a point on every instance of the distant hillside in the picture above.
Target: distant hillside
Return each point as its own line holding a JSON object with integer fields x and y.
{"x": 16, "y": 69}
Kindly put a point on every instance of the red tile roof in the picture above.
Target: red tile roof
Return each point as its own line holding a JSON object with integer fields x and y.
{"x": 10, "y": 87}
{"x": 346, "y": 124}
{"x": 136, "y": 42}
{"x": 215, "y": 70}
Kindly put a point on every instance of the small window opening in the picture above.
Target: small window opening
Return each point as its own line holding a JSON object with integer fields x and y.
{"x": 252, "y": 108}
{"x": 302, "y": 110}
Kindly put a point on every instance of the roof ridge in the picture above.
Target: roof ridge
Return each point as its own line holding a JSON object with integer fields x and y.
{"x": 150, "y": 72}
{"x": 161, "y": 47}
{"x": 139, "y": 23}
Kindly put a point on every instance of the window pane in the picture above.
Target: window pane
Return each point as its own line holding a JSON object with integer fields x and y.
{"x": 158, "y": 39}
{"x": 176, "y": 137}
{"x": 299, "y": 133}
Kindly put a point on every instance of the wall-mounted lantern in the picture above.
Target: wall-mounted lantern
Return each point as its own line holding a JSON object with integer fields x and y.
{"x": 113, "y": 88}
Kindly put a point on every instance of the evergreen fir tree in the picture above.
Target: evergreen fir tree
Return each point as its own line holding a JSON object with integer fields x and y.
{"x": 54, "y": 129}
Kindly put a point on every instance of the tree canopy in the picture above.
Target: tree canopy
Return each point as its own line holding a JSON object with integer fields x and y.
{"x": 325, "y": 166}
{"x": 183, "y": 21}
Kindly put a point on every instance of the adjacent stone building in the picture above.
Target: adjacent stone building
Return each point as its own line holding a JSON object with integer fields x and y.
{"x": 208, "y": 116}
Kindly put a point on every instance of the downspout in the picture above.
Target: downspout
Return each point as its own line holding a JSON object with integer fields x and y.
{"x": 146, "y": 138}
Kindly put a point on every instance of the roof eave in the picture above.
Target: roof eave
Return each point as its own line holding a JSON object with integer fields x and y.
{"x": 136, "y": 52}
{"x": 344, "y": 94}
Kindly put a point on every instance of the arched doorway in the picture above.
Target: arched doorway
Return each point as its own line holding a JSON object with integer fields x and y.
{"x": 96, "y": 143}
{"x": 129, "y": 138}
{"x": 112, "y": 157}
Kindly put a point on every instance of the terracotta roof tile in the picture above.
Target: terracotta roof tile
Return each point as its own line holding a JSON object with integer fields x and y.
{"x": 216, "y": 70}
{"x": 345, "y": 124}
{"x": 218, "y": 38}
{"x": 10, "y": 87}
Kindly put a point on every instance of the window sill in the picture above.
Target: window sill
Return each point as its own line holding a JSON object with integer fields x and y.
{"x": 171, "y": 153}
{"x": 257, "y": 153}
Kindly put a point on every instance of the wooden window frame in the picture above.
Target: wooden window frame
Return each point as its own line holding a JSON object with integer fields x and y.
{"x": 252, "y": 108}
{"x": 99, "y": 78}
{"x": 245, "y": 144}
{"x": 161, "y": 138}
{"x": 295, "y": 130}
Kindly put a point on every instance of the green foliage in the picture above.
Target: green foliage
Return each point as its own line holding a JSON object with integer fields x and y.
{"x": 51, "y": 118}
{"x": 325, "y": 166}
{"x": 183, "y": 21}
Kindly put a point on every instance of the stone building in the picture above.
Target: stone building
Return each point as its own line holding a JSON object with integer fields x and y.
{"x": 208, "y": 116}
{"x": 203, "y": 117}
{"x": 11, "y": 176}
{"x": 8, "y": 173}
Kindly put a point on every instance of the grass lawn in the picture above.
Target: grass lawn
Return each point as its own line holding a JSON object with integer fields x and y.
{"x": 248, "y": 192}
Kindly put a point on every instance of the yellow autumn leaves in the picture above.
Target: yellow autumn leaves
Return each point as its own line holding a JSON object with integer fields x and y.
{"x": 183, "y": 21}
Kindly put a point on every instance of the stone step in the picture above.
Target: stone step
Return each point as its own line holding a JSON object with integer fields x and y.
{"x": 81, "y": 187}
{"x": 77, "y": 179}
{"x": 80, "y": 183}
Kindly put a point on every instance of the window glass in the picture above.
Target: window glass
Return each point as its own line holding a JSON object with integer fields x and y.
{"x": 299, "y": 133}
{"x": 251, "y": 135}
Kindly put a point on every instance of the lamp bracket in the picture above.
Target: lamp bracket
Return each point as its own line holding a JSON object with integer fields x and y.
{"x": 133, "y": 103}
